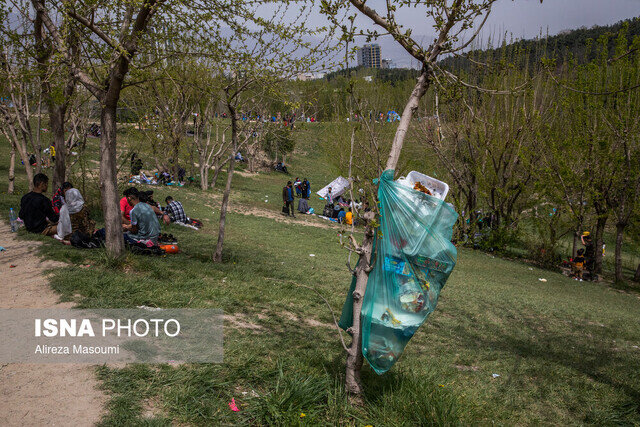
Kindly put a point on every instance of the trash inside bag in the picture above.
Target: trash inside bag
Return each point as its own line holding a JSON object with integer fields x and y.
{"x": 413, "y": 259}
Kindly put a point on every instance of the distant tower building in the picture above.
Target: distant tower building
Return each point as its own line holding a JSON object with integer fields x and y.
{"x": 369, "y": 56}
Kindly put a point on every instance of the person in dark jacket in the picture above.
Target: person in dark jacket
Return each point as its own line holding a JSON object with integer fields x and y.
{"x": 36, "y": 209}
{"x": 306, "y": 189}
{"x": 287, "y": 198}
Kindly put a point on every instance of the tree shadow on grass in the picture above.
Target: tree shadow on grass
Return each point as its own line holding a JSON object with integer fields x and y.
{"x": 572, "y": 347}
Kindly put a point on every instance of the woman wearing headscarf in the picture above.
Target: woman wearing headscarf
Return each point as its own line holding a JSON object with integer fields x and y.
{"x": 74, "y": 216}
{"x": 58, "y": 197}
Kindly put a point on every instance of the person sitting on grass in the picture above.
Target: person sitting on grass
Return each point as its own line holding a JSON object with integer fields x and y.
{"x": 125, "y": 207}
{"x": 282, "y": 168}
{"x": 36, "y": 209}
{"x": 175, "y": 211}
{"x": 74, "y": 216}
{"x": 144, "y": 226}
{"x": 147, "y": 197}
{"x": 348, "y": 218}
{"x": 58, "y": 197}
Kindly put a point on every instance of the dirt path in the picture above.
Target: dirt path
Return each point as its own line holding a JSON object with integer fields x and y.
{"x": 301, "y": 219}
{"x": 43, "y": 394}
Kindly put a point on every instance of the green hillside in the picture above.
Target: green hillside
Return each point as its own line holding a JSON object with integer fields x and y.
{"x": 568, "y": 44}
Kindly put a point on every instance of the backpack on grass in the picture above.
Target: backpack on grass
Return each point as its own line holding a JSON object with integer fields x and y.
{"x": 83, "y": 241}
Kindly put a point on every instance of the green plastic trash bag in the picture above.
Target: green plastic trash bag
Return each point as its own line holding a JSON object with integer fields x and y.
{"x": 413, "y": 261}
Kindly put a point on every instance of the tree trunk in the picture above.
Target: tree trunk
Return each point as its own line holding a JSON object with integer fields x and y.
{"x": 600, "y": 224}
{"x": 636, "y": 277}
{"x": 217, "y": 256}
{"x": 27, "y": 168}
{"x": 11, "y": 134}
{"x": 191, "y": 161}
{"x": 576, "y": 239}
{"x": 109, "y": 182}
{"x": 204, "y": 176}
{"x": 412, "y": 105}
{"x": 12, "y": 170}
{"x": 216, "y": 172}
{"x": 38, "y": 144}
{"x": 176, "y": 166}
{"x": 251, "y": 162}
{"x": 354, "y": 355}
{"x": 42, "y": 58}
{"x": 618, "y": 256}
{"x": 472, "y": 202}
{"x": 56, "y": 119}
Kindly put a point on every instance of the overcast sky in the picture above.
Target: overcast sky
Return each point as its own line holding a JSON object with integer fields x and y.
{"x": 523, "y": 18}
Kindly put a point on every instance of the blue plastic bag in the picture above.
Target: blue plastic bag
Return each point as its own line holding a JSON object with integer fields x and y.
{"x": 413, "y": 259}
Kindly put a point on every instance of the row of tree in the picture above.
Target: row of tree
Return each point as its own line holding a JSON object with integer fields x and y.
{"x": 64, "y": 58}
{"x": 535, "y": 152}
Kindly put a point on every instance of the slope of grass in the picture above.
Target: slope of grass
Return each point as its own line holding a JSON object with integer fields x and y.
{"x": 566, "y": 352}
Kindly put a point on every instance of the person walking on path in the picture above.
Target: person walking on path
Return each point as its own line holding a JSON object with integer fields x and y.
{"x": 287, "y": 199}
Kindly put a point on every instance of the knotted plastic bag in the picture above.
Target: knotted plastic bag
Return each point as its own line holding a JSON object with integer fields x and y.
{"x": 413, "y": 259}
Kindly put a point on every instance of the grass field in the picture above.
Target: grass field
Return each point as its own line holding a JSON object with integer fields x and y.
{"x": 566, "y": 352}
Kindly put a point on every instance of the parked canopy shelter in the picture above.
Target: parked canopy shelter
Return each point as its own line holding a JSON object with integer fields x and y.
{"x": 338, "y": 187}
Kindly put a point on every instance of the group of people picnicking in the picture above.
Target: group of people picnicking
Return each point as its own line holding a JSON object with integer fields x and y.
{"x": 341, "y": 209}
{"x": 286, "y": 120}
{"x": 141, "y": 216}
{"x": 57, "y": 218}
{"x": 300, "y": 189}
{"x": 161, "y": 177}
{"x": 336, "y": 208}
{"x": 66, "y": 218}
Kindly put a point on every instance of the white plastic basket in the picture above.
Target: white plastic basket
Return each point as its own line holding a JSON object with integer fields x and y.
{"x": 437, "y": 187}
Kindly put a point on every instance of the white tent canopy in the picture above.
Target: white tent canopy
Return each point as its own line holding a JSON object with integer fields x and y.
{"x": 338, "y": 187}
